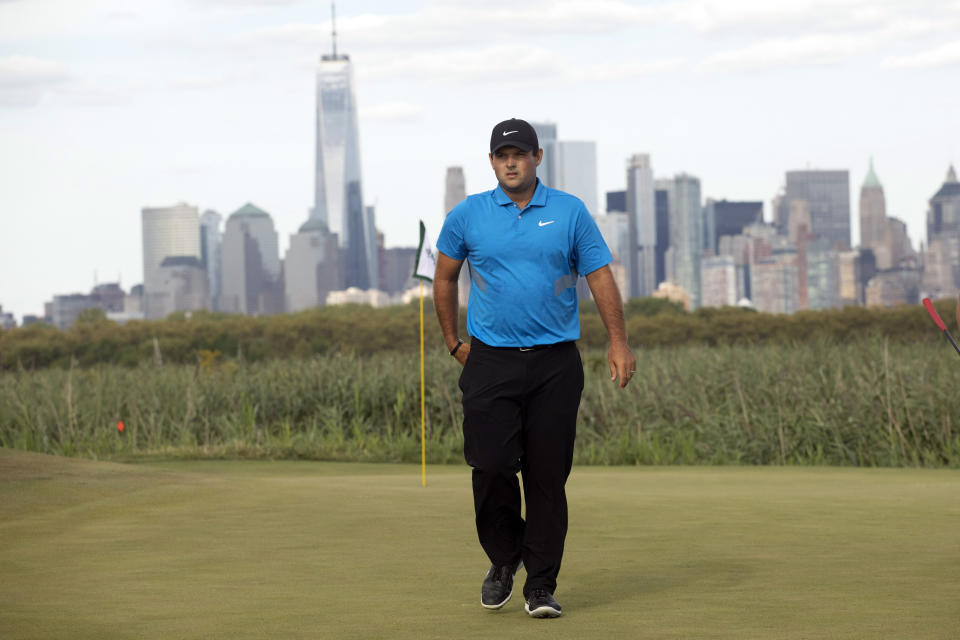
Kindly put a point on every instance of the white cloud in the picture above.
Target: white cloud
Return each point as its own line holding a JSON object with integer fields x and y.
{"x": 451, "y": 24}
{"x": 621, "y": 70}
{"x": 503, "y": 64}
{"x": 815, "y": 50}
{"x": 25, "y": 79}
{"x": 392, "y": 112}
{"x": 944, "y": 55}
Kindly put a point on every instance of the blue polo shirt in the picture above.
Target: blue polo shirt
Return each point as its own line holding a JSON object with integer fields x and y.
{"x": 524, "y": 264}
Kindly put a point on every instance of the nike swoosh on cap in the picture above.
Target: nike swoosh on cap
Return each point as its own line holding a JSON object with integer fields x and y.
{"x": 506, "y": 133}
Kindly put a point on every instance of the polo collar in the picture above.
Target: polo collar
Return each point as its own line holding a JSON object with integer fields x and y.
{"x": 539, "y": 198}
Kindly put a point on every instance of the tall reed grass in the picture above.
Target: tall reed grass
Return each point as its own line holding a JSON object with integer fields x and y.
{"x": 864, "y": 403}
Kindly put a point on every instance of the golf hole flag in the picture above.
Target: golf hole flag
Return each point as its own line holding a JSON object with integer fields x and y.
{"x": 423, "y": 269}
{"x": 426, "y": 257}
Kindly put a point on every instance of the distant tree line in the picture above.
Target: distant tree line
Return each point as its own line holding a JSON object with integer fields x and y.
{"x": 362, "y": 330}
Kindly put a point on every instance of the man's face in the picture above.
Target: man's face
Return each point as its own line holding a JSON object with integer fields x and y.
{"x": 516, "y": 170}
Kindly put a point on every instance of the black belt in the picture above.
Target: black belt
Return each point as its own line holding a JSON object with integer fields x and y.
{"x": 536, "y": 347}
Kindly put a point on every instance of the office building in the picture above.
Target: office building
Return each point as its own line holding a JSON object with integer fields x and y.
{"x": 728, "y": 218}
{"x": 662, "y": 205}
{"x": 827, "y": 193}
{"x": 338, "y": 192}
{"x": 849, "y": 288}
{"x": 893, "y": 287}
{"x": 822, "y": 275}
{"x": 210, "y": 253}
{"x": 718, "y": 281}
{"x": 455, "y": 188}
{"x": 686, "y": 234}
{"x": 576, "y": 171}
{"x": 396, "y": 270}
{"x": 167, "y": 231}
{"x": 547, "y": 137}
{"x": 873, "y": 216}
{"x": 313, "y": 266}
{"x": 943, "y": 227}
{"x": 7, "y": 321}
{"x": 617, "y": 201}
{"x": 251, "y": 280}
{"x": 64, "y": 309}
{"x": 181, "y": 285}
{"x": 773, "y": 282}
{"x": 613, "y": 228}
{"x": 640, "y": 258}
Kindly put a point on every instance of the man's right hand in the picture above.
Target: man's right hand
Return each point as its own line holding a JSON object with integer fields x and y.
{"x": 462, "y": 353}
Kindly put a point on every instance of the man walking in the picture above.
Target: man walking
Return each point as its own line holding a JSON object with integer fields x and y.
{"x": 522, "y": 376}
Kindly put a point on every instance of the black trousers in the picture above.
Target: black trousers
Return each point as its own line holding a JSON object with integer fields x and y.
{"x": 520, "y": 415}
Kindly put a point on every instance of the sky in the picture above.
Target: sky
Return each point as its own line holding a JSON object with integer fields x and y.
{"x": 110, "y": 106}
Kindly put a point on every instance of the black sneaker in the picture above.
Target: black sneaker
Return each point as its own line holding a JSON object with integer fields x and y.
{"x": 541, "y": 604}
{"x": 498, "y": 585}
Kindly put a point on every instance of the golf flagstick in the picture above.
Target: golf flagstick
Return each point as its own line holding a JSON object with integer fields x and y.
{"x": 936, "y": 318}
{"x": 424, "y": 267}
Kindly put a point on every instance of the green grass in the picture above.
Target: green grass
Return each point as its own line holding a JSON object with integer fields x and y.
{"x": 350, "y": 550}
{"x": 859, "y": 403}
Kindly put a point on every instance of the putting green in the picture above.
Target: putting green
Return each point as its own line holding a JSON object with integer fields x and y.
{"x": 325, "y": 550}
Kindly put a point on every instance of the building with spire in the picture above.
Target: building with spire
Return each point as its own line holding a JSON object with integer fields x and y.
{"x": 873, "y": 212}
{"x": 338, "y": 192}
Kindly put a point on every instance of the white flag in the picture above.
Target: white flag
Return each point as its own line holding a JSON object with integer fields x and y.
{"x": 426, "y": 262}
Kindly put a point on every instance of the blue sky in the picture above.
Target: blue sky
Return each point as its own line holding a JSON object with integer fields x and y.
{"x": 109, "y": 106}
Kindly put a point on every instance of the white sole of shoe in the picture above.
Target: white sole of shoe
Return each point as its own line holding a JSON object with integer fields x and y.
{"x": 497, "y": 606}
{"x": 542, "y": 612}
{"x": 509, "y": 595}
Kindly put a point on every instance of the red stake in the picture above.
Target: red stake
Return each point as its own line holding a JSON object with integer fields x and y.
{"x": 936, "y": 318}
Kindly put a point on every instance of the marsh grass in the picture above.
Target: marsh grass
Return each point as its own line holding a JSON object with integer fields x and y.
{"x": 861, "y": 403}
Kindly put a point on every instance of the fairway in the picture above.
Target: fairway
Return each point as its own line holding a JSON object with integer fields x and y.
{"x": 341, "y": 550}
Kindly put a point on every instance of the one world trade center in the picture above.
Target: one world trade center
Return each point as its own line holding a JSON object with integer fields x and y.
{"x": 338, "y": 194}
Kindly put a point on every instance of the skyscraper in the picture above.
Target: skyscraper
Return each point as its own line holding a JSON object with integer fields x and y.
{"x": 313, "y": 267}
{"x": 455, "y": 190}
{"x": 251, "y": 264}
{"x": 338, "y": 193}
{"x": 641, "y": 227}
{"x": 576, "y": 171}
{"x": 873, "y": 212}
{"x": 828, "y": 195}
{"x": 167, "y": 232}
{"x": 686, "y": 234}
{"x": 943, "y": 230}
{"x": 547, "y": 136}
{"x": 210, "y": 253}
{"x": 728, "y": 218}
{"x": 662, "y": 198}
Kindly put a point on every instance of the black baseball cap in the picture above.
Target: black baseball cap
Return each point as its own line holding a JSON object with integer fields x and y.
{"x": 514, "y": 133}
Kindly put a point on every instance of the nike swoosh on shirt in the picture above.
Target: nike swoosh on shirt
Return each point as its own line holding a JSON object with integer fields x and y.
{"x": 541, "y": 223}
{"x": 506, "y": 133}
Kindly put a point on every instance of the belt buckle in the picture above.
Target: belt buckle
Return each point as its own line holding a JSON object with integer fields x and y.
{"x": 526, "y": 348}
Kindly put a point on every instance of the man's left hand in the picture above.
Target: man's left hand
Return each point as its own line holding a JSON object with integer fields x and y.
{"x": 622, "y": 363}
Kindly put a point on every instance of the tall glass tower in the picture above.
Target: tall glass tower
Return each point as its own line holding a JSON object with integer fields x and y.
{"x": 338, "y": 195}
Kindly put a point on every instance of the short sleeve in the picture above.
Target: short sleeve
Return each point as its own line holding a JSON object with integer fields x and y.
{"x": 590, "y": 250}
{"x": 451, "y": 241}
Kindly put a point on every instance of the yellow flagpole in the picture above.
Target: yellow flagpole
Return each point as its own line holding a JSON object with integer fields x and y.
{"x": 423, "y": 401}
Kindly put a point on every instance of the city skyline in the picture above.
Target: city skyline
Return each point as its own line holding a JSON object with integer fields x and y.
{"x": 733, "y": 93}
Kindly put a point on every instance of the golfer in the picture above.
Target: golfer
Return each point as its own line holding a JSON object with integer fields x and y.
{"x": 522, "y": 376}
